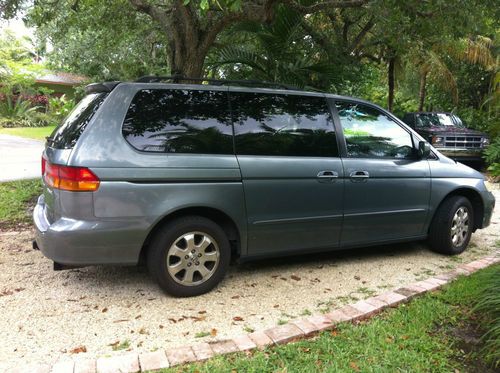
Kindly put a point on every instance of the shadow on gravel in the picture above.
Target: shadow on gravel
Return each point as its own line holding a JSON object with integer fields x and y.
{"x": 117, "y": 279}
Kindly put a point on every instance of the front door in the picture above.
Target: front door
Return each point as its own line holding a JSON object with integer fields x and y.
{"x": 387, "y": 187}
{"x": 292, "y": 175}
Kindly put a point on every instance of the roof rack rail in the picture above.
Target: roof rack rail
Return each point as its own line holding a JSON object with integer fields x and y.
{"x": 179, "y": 78}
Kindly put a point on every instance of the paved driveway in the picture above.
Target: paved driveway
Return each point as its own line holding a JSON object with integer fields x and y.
{"x": 19, "y": 158}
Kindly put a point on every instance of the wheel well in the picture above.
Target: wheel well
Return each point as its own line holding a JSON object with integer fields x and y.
{"x": 217, "y": 216}
{"x": 475, "y": 200}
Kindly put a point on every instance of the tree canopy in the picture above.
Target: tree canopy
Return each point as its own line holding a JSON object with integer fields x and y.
{"x": 399, "y": 53}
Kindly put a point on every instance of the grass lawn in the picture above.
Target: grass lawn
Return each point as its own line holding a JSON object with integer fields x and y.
{"x": 17, "y": 199}
{"x": 38, "y": 133}
{"x": 434, "y": 333}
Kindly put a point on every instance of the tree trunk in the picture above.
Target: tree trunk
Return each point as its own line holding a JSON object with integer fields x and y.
{"x": 391, "y": 82}
{"x": 422, "y": 91}
{"x": 187, "y": 62}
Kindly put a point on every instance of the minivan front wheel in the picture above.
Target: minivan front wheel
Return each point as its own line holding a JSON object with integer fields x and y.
{"x": 189, "y": 256}
{"x": 451, "y": 228}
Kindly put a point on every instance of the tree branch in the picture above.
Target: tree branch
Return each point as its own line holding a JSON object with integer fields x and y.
{"x": 361, "y": 35}
{"x": 306, "y": 9}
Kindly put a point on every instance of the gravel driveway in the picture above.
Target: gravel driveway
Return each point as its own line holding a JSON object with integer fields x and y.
{"x": 47, "y": 315}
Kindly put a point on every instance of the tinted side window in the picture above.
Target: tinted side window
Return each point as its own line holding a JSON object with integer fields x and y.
{"x": 282, "y": 125}
{"x": 371, "y": 133}
{"x": 179, "y": 121}
{"x": 68, "y": 132}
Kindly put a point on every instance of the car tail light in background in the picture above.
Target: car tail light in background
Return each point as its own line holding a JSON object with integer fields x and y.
{"x": 75, "y": 179}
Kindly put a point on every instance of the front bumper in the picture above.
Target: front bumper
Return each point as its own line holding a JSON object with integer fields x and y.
{"x": 462, "y": 154}
{"x": 489, "y": 206}
{"x": 82, "y": 242}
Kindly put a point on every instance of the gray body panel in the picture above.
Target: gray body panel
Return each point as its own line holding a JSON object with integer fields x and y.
{"x": 396, "y": 194}
{"x": 278, "y": 204}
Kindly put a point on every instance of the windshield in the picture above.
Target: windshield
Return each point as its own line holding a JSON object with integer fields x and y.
{"x": 67, "y": 133}
{"x": 437, "y": 119}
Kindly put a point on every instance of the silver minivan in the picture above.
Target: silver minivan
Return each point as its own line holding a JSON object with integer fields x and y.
{"x": 187, "y": 177}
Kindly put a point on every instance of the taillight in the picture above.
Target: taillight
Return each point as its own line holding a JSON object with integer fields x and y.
{"x": 43, "y": 165}
{"x": 75, "y": 179}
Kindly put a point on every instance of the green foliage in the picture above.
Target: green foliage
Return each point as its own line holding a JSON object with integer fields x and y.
{"x": 16, "y": 200}
{"x": 18, "y": 71}
{"x": 17, "y": 113}
{"x": 492, "y": 156}
{"x": 105, "y": 40}
{"x": 489, "y": 305}
{"x": 59, "y": 108}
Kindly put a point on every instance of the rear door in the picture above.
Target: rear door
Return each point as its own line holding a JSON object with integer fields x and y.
{"x": 387, "y": 187}
{"x": 61, "y": 143}
{"x": 292, "y": 175}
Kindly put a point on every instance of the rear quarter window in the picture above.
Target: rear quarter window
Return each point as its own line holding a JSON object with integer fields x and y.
{"x": 69, "y": 131}
{"x": 179, "y": 121}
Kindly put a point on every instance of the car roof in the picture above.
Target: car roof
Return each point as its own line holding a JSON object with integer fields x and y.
{"x": 109, "y": 86}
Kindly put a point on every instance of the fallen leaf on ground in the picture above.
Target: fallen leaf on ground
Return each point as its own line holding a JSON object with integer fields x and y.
{"x": 78, "y": 350}
{"x": 354, "y": 366}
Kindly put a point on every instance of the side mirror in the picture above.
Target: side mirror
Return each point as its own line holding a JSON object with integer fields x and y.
{"x": 424, "y": 149}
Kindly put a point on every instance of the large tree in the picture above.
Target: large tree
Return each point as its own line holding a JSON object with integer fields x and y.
{"x": 190, "y": 27}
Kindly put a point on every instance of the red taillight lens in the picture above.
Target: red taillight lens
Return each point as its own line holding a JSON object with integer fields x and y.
{"x": 75, "y": 179}
{"x": 43, "y": 165}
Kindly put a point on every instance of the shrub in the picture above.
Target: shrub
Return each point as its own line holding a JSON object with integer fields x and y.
{"x": 492, "y": 156}
{"x": 16, "y": 112}
{"x": 489, "y": 306}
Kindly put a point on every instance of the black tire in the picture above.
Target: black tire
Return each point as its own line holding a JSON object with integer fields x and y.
{"x": 172, "y": 233}
{"x": 440, "y": 232}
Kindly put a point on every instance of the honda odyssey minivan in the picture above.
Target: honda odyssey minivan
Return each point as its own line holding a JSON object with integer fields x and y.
{"x": 187, "y": 177}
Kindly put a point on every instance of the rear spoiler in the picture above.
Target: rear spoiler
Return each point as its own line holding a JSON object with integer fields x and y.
{"x": 101, "y": 87}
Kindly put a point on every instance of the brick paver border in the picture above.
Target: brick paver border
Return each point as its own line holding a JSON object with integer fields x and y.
{"x": 298, "y": 328}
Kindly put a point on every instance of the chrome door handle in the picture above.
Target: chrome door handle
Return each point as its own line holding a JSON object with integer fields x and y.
{"x": 327, "y": 175}
{"x": 359, "y": 175}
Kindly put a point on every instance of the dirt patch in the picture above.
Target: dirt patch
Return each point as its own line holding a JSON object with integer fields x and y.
{"x": 469, "y": 344}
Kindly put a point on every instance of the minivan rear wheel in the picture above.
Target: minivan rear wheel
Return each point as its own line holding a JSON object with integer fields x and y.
{"x": 189, "y": 256}
{"x": 451, "y": 228}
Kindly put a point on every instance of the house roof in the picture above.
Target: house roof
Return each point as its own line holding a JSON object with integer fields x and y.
{"x": 61, "y": 78}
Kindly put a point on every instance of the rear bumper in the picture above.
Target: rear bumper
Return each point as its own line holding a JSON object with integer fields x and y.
{"x": 80, "y": 242}
{"x": 462, "y": 154}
